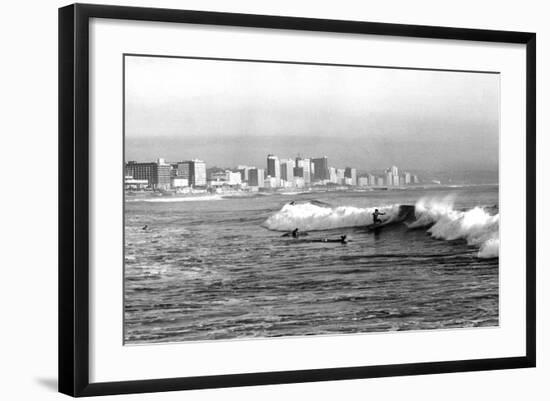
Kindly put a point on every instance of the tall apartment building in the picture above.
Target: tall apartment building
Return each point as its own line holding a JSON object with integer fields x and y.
{"x": 372, "y": 180}
{"x": 274, "y": 168}
{"x": 304, "y": 164}
{"x": 256, "y": 177}
{"x": 389, "y": 178}
{"x": 244, "y": 170}
{"x": 156, "y": 173}
{"x": 287, "y": 169}
{"x": 407, "y": 178}
{"x": 351, "y": 173}
{"x": 332, "y": 177}
{"x": 320, "y": 166}
{"x": 194, "y": 171}
{"x": 340, "y": 175}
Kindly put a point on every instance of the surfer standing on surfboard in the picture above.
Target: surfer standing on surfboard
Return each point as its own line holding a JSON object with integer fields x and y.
{"x": 375, "y": 219}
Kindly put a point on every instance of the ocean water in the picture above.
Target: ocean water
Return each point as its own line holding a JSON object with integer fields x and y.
{"x": 216, "y": 267}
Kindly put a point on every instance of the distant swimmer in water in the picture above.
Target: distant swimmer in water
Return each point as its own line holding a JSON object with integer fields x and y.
{"x": 375, "y": 219}
{"x": 292, "y": 203}
{"x": 144, "y": 227}
{"x": 343, "y": 238}
{"x": 295, "y": 233}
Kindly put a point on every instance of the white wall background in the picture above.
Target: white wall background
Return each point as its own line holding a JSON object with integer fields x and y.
{"x": 28, "y": 234}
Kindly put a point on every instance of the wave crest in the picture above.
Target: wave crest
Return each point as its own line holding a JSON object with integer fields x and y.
{"x": 309, "y": 217}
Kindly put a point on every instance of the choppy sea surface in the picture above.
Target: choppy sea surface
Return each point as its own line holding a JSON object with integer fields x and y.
{"x": 215, "y": 267}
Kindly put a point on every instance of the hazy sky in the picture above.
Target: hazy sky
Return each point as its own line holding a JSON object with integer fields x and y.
{"x": 229, "y": 113}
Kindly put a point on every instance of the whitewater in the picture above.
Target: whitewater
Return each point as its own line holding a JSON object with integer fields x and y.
{"x": 477, "y": 226}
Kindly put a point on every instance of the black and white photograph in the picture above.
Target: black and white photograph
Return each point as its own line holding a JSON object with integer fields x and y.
{"x": 275, "y": 199}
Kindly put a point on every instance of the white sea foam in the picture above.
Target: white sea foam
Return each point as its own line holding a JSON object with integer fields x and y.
{"x": 476, "y": 226}
{"x": 309, "y": 216}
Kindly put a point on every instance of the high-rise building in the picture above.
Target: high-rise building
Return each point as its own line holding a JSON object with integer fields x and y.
{"x": 351, "y": 173}
{"x": 287, "y": 170}
{"x": 305, "y": 164}
{"x": 372, "y": 180}
{"x": 256, "y": 177}
{"x": 395, "y": 179}
{"x": 270, "y": 182}
{"x": 199, "y": 173}
{"x": 389, "y": 178}
{"x": 380, "y": 181}
{"x": 298, "y": 172}
{"x": 194, "y": 171}
{"x": 415, "y": 179}
{"x": 363, "y": 181}
{"x": 156, "y": 173}
{"x": 394, "y": 170}
{"x": 407, "y": 178}
{"x": 274, "y": 168}
{"x": 320, "y": 166}
{"x": 183, "y": 170}
{"x": 332, "y": 177}
{"x": 340, "y": 175}
{"x": 244, "y": 172}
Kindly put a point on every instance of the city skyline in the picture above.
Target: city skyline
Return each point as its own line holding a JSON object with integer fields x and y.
{"x": 298, "y": 172}
{"x": 427, "y": 120}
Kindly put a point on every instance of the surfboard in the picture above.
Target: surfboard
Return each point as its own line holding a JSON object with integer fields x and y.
{"x": 376, "y": 227}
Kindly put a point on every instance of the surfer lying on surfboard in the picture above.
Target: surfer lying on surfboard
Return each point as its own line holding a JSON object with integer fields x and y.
{"x": 342, "y": 240}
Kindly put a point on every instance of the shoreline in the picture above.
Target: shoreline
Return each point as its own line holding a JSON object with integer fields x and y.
{"x": 241, "y": 193}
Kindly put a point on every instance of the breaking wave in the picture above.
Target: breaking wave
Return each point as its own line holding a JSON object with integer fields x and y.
{"x": 311, "y": 216}
{"x": 477, "y": 226}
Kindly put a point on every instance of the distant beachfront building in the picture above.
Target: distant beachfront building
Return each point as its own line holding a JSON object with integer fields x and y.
{"x": 396, "y": 181}
{"x": 270, "y": 182}
{"x": 389, "y": 178}
{"x": 178, "y": 182}
{"x": 407, "y": 178}
{"x": 274, "y": 168}
{"x": 415, "y": 179}
{"x": 131, "y": 183}
{"x": 244, "y": 170}
{"x": 156, "y": 173}
{"x": 332, "y": 177}
{"x": 395, "y": 176}
{"x": 352, "y": 174}
{"x": 340, "y": 175}
{"x": 256, "y": 177}
{"x": 372, "y": 180}
{"x": 299, "y": 182}
{"x": 298, "y": 172}
{"x": 287, "y": 170}
{"x": 233, "y": 177}
{"x": 194, "y": 171}
{"x": 321, "y": 171}
{"x": 380, "y": 181}
{"x": 363, "y": 181}
{"x": 305, "y": 165}
{"x": 198, "y": 173}
{"x": 225, "y": 178}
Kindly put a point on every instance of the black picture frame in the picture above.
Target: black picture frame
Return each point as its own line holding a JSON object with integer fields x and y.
{"x": 74, "y": 202}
